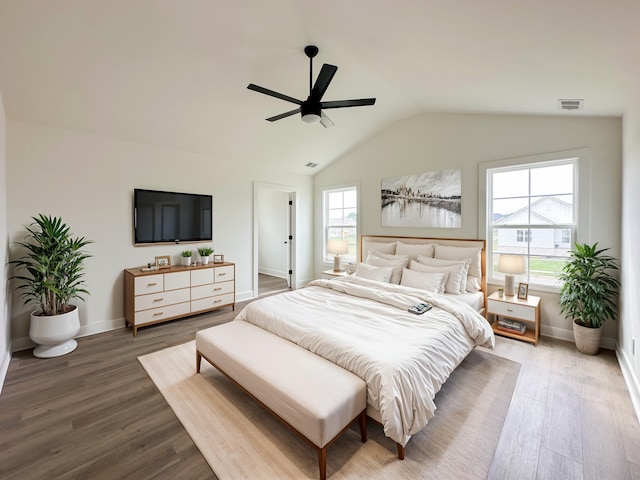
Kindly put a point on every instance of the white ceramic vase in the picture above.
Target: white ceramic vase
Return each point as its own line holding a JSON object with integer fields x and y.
{"x": 186, "y": 261}
{"x": 204, "y": 260}
{"x": 54, "y": 334}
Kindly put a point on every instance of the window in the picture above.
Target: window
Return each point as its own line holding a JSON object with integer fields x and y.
{"x": 340, "y": 206}
{"x": 531, "y": 211}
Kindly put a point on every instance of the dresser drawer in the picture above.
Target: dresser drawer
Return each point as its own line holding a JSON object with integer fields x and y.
{"x": 511, "y": 310}
{"x": 201, "y": 277}
{"x": 212, "y": 302}
{"x": 224, "y": 274}
{"x": 162, "y": 313}
{"x": 204, "y": 291}
{"x": 148, "y": 284}
{"x": 174, "y": 281}
{"x": 154, "y": 300}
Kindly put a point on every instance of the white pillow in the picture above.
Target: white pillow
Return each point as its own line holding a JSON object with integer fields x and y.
{"x": 453, "y": 284}
{"x": 398, "y": 262}
{"x": 380, "y": 274}
{"x": 474, "y": 279}
{"x": 431, "y": 282}
{"x": 438, "y": 262}
{"x": 413, "y": 250}
{"x": 384, "y": 247}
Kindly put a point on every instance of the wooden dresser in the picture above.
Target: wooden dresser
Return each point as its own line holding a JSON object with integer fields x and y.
{"x": 160, "y": 295}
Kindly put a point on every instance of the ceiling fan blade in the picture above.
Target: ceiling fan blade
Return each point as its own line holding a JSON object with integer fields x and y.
{"x": 322, "y": 82}
{"x": 271, "y": 93}
{"x": 326, "y": 121}
{"x": 348, "y": 103}
{"x": 283, "y": 115}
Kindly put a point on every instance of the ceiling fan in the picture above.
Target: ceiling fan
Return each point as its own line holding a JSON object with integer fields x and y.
{"x": 312, "y": 108}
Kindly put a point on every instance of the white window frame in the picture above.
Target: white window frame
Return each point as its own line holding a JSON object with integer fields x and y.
{"x": 582, "y": 158}
{"x": 346, "y": 258}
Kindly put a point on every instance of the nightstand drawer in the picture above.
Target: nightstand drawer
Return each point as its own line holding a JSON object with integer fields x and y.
{"x": 511, "y": 310}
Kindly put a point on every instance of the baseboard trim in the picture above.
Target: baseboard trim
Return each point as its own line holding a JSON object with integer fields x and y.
{"x": 4, "y": 366}
{"x": 564, "y": 334}
{"x": 273, "y": 273}
{"x": 633, "y": 385}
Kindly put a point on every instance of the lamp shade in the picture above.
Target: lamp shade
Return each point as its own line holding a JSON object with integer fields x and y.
{"x": 511, "y": 264}
{"x": 337, "y": 247}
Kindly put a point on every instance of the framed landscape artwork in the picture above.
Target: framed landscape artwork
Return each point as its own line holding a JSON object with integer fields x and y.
{"x": 431, "y": 199}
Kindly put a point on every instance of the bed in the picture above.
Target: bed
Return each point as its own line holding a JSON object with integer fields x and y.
{"x": 361, "y": 323}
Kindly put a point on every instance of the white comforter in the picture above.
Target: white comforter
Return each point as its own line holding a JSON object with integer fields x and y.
{"x": 364, "y": 327}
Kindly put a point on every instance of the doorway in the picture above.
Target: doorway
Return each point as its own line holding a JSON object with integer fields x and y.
{"x": 274, "y": 239}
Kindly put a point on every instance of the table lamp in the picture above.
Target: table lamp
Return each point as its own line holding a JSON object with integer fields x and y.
{"x": 337, "y": 247}
{"x": 510, "y": 265}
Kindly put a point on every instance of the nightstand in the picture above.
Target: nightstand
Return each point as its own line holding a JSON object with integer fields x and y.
{"x": 526, "y": 310}
{"x": 333, "y": 273}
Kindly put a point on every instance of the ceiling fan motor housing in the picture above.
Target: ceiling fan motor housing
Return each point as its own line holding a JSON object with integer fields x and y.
{"x": 310, "y": 111}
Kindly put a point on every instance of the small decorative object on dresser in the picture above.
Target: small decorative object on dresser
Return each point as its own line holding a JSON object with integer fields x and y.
{"x": 163, "y": 261}
{"x": 218, "y": 259}
{"x": 205, "y": 253}
{"x": 186, "y": 257}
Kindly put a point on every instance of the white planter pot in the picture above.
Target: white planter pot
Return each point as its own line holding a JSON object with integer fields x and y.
{"x": 204, "y": 260}
{"x": 54, "y": 334}
{"x": 186, "y": 261}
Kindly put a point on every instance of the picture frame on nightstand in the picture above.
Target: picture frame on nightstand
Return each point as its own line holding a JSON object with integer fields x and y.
{"x": 523, "y": 291}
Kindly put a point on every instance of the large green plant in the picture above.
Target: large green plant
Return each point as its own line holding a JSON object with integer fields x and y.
{"x": 54, "y": 261}
{"x": 590, "y": 291}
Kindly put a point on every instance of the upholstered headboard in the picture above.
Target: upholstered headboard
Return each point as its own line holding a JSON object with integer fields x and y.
{"x": 367, "y": 242}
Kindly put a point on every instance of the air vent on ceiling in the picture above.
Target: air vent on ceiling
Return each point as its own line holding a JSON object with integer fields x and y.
{"x": 311, "y": 165}
{"x": 570, "y": 103}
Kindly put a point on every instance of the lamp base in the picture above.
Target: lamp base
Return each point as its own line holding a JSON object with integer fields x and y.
{"x": 509, "y": 285}
{"x": 336, "y": 263}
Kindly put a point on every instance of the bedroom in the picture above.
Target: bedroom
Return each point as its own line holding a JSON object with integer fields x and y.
{"x": 103, "y": 161}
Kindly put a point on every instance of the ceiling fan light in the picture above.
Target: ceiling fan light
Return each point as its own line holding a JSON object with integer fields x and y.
{"x": 310, "y": 118}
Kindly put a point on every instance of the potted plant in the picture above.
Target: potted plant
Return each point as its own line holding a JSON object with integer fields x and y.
{"x": 186, "y": 257}
{"x": 204, "y": 253}
{"x": 54, "y": 267}
{"x": 589, "y": 294}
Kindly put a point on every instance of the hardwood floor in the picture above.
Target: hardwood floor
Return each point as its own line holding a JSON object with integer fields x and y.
{"x": 268, "y": 284}
{"x": 95, "y": 414}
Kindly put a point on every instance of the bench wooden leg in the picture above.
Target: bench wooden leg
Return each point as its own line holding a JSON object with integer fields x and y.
{"x": 400, "y": 451}
{"x": 322, "y": 462}
{"x": 363, "y": 426}
{"x": 198, "y": 361}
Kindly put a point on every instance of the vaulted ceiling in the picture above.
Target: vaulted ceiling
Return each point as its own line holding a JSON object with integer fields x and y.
{"x": 174, "y": 73}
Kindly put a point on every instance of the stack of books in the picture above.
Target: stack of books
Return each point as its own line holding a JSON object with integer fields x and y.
{"x": 512, "y": 326}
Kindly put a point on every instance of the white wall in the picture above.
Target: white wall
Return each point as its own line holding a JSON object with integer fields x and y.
{"x": 88, "y": 180}
{"x": 432, "y": 142}
{"x": 5, "y": 324}
{"x": 630, "y": 305}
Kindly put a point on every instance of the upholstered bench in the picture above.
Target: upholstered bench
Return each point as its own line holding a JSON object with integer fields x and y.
{"x": 316, "y": 398}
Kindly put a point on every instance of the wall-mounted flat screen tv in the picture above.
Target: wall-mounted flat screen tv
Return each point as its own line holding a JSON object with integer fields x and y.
{"x": 171, "y": 217}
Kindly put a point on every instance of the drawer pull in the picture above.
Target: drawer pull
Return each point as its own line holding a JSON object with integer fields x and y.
{"x": 509, "y": 310}
{"x": 157, "y": 314}
{"x": 158, "y": 299}
{"x": 152, "y": 284}
{"x": 217, "y": 301}
{"x": 222, "y": 273}
{"x": 216, "y": 289}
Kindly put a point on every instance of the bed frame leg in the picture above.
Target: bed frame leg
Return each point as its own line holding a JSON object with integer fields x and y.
{"x": 363, "y": 426}
{"x": 322, "y": 462}
{"x": 198, "y": 361}
{"x": 400, "y": 451}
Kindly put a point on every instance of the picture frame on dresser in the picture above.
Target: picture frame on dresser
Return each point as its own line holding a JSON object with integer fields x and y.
{"x": 163, "y": 261}
{"x": 218, "y": 259}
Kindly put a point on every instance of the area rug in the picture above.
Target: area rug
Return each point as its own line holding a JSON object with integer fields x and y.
{"x": 239, "y": 439}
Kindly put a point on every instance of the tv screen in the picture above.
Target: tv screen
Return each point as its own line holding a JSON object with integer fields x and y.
{"x": 163, "y": 217}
